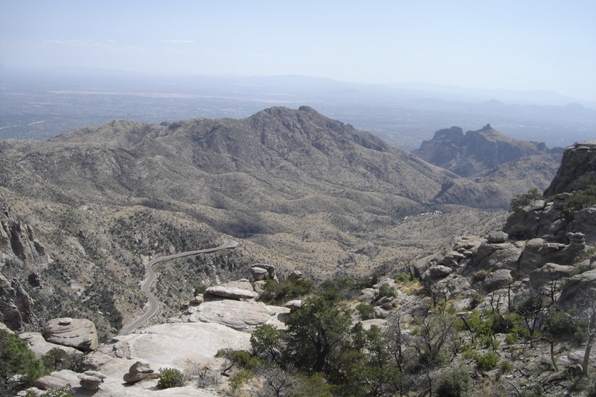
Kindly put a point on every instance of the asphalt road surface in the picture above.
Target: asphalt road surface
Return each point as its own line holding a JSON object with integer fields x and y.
{"x": 150, "y": 279}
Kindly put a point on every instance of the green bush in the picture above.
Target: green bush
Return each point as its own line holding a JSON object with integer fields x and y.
{"x": 579, "y": 200}
{"x": 17, "y": 359}
{"x": 57, "y": 359}
{"x": 285, "y": 290}
{"x": 170, "y": 377}
{"x": 454, "y": 383}
{"x": 386, "y": 290}
{"x": 487, "y": 361}
{"x": 240, "y": 377}
{"x": 506, "y": 366}
{"x": 525, "y": 199}
{"x": 365, "y": 310}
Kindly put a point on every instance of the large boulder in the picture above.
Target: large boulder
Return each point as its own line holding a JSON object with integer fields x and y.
{"x": 579, "y": 290}
{"x": 551, "y": 272}
{"x": 78, "y": 333}
{"x": 496, "y": 280}
{"x": 39, "y": 346}
{"x": 243, "y": 316}
{"x": 231, "y": 292}
{"x": 495, "y": 256}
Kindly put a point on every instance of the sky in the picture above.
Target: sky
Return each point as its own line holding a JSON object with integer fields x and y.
{"x": 519, "y": 45}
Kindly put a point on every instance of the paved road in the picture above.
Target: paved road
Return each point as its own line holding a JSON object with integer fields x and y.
{"x": 150, "y": 278}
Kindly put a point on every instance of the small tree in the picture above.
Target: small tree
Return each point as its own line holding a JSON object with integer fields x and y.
{"x": 17, "y": 359}
{"x": 266, "y": 341}
{"x": 315, "y": 333}
{"x": 454, "y": 383}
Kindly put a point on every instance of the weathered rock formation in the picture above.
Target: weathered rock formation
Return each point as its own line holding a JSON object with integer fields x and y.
{"x": 39, "y": 346}
{"x": 475, "y": 151}
{"x": 139, "y": 371}
{"x": 241, "y": 289}
{"x": 577, "y": 171}
{"x": 78, "y": 333}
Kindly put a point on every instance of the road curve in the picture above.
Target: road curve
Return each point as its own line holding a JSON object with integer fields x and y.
{"x": 150, "y": 278}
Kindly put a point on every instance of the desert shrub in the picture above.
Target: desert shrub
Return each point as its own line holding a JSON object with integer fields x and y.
{"x": 506, "y": 366}
{"x": 170, "y": 377}
{"x": 487, "y": 361}
{"x": 365, "y": 310}
{"x": 561, "y": 325}
{"x": 240, "y": 357}
{"x": 386, "y": 290}
{"x": 17, "y": 359}
{"x": 480, "y": 275}
{"x": 475, "y": 300}
{"x": 579, "y": 200}
{"x": 64, "y": 391}
{"x": 454, "y": 383}
{"x": 57, "y": 359}
{"x": 535, "y": 391}
{"x": 342, "y": 288}
{"x": 525, "y": 199}
{"x": 285, "y": 290}
{"x": 240, "y": 377}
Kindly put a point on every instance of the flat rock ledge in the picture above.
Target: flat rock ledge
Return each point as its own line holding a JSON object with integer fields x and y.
{"x": 231, "y": 292}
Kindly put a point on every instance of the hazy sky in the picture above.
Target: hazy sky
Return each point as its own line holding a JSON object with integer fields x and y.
{"x": 522, "y": 45}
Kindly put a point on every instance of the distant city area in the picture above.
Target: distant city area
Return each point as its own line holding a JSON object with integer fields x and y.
{"x": 35, "y": 105}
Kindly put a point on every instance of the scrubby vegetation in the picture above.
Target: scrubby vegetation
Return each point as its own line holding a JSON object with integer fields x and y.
{"x": 18, "y": 366}
{"x": 170, "y": 377}
{"x": 436, "y": 351}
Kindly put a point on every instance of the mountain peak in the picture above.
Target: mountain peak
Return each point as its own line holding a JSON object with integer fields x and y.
{"x": 475, "y": 151}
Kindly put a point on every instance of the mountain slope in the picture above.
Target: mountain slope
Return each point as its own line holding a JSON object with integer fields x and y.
{"x": 476, "y": 151}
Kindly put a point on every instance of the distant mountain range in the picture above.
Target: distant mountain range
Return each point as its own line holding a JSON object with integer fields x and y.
{"x": 39, "y": 104}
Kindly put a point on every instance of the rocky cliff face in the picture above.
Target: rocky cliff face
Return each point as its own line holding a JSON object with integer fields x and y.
{"x": 577, "y": 171}
{"x": 569, "y": 202}
{"x": 545, "y": 241}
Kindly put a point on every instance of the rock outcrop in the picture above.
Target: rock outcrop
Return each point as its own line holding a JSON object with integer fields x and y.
{"x": 577, "y": 171}
{"x": 78, "y": 333}
{"x": 139, "y": 371}
{"x": 16, "y": 307}
{"x": 39, "y": 346}
{"x": 475, "y": 151}
{"x": 241, "y": 289}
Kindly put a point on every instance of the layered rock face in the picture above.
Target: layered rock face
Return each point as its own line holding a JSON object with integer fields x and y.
{"x": 78, "y": 333}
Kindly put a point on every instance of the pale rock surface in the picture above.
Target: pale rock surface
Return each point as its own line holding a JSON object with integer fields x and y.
{"x": 78, "y": 333}
{"x": 39, "y": 346}
{"x": 6, "y": 329}
{"x": 437, "y": 272}
{"x": 259, "y": 274}
{"x": 548, "y": 273}
{"x": 293, "y": 304}
{"x": 241, "y": 289}
{"x": 239, "y": 315}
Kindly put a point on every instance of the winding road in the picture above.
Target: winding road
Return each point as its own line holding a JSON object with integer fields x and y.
{"x": 150, "y": 278}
